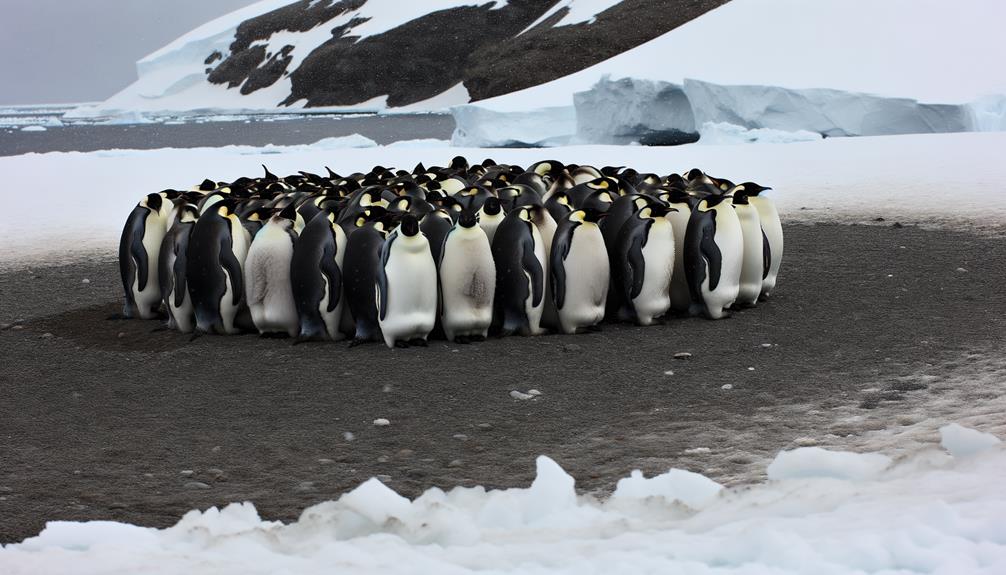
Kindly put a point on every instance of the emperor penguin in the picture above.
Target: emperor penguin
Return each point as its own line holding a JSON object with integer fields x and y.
{"x": 753, "y": 258}
{"x": 407, "y": 286}
{"x": 489, "y": 216}
{"x": 579, "y": 271}
{"x": 520, "y": 259}
{"x": 713, "y": 251}
{"x": 316, "y": 277}
{"x": 644, "y": 256}
{"x": 172, "y": 263}
{"x": 679, "y": 212}
{"x": 359, "y": 278}
{"x": 467, "y": 281}
{"x": 547, "y": 226}
{"x": 771, "y": 227}
{"x": 139, "y": 249}
{"x": 268, "y": 289}
{"x": 214, "y": 269}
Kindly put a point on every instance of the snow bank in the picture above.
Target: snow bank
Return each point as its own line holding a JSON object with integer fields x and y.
{"x": 816, "y": 462}
{"x": 922, "y": 516}
{"x": 961, "y": 441}
{"x": 479, "y": 127}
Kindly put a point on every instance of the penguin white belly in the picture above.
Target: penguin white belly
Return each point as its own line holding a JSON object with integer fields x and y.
{"x": 654, "y": 298}
{"x": 467, "y": 283}
{"x": 489, "y": 225}
{"x": 267, "y": 282}
{"x": 772, "y": 227}
{"x": 587, "y": 279}
{"x": 412, "y": 292}
{"x": 681, "y": 298}
{"x": 534, "y": 312}
{"x": 547, "y": 315}
{"x": 332, "y": 319}
{"x": 183, "y": 315}
{"x": 731, "y": 246}
{"x": 752, "y": 263}
{"x": 148, "y": 300}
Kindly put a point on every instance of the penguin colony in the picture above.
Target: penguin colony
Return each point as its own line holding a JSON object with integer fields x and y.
{"x": 466, "y": 250}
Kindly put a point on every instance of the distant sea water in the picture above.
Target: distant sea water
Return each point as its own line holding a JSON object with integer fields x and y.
{"x": 44, "y": 128}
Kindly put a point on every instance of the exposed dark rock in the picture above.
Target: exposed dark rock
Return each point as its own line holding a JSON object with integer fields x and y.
{"x": 235, "y": 70}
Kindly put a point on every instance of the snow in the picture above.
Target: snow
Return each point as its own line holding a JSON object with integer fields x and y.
{"x": 33, "y": 128}
{"x": 816, "y": 462}
{"x": 483, "y": 128}
{"x": 787, "y": 43}
{"x": 719, "y": 133}
{"x": 840, "y": 179}
{"x": 579, "y": 11}
{"x": 961, "y": 441}
{"x": 924, "y": 515}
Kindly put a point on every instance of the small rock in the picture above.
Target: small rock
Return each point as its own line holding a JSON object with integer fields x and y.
{"x": 381, "y": 422}
{"x": 766, "y": 345}
{"x": 122, "y": 334}
{"x": 188, "y": 472}
{"x": 460, "y": 437}
{"x": 387, "y": 388}
{"x": 455, "y": 350}
{"x": 520, "y": 395}
{"x": 17, "y": 327}
{"x": 46, "y": 335}
{"x": 148, "y": 475}
{"x": 750, "y": 369}
{"x": 117, "y": 505}
{"x": 326, "y": 461}
{"x": 805, "y": 441}
{"x": 348, "y": 436}
{"x": 682, "y": 355}
{"x": 382, "y": 459}
{"x": 897, "y": 225}
{"x": 879, "y": 219}
{"x": 727, "y": 386}
{"x": 533, "y": 392}
{"x": 571, "y": 347}
{"x": 85, "y": 281}
{"x": 5, "y": 326}
{"x": 196, "y": 485}
{"x": 19, "y": 321}
{"x": 455, "y": 463}
{"x": 5, "y": 489}
{"x": 304, "y": 486}
{"x": 962, "y": 270}
{"x": 384, "y": 478}
{"x": 215, "y": 473}
{"x": 485, "y": 426}
{"x": 216, "y": 449}
{"x": 405, "y": 453}
{"x": 669, "y": 372}
{"x": 698, "y": 451}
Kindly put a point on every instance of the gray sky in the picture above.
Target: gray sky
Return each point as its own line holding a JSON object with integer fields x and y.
{"x": 85, "y": 50}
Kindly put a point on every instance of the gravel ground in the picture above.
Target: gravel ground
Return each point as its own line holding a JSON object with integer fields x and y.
{"x": 115, "y": 420}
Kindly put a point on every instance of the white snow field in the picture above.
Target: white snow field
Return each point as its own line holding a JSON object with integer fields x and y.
{"x": 838, "y": 67}
{"x": 928, "y": 513}
{"x": 938, "y": 179}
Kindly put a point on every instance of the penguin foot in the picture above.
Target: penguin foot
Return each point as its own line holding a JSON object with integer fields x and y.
{"x": 194, "y": 335}
{"x": 477, "y": 338}
{"x": 418, "y": 342}
{"x": 596, "y": 328}
{"x": 401, "y": 344}
{"x": 462, "y": 339}
{"x": 358, "y": 341}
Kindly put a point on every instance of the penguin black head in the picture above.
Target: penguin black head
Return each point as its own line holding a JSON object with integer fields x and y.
{"x": 694, "y": 174}
{"x": 593, "y": 215}
{"x": 468, "y": 218}
{"x": 740, "y": 196}
{"x": 753, "y": 189}
{"x": 409, "y": 225}
{"x": 459, "y": 163}
{"x": 269, "y": 176}
{"x": 155, "y": 201}
{"x": 289, "y": 212}
{"x": 207, "y": 185}
{"x": 492, "y": 206}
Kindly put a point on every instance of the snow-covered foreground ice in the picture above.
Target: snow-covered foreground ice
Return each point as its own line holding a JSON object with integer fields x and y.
{"x": 929, "y": 513}
{"x": 62, "y": 204}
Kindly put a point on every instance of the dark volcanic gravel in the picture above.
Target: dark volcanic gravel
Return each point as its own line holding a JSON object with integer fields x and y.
{"x": 113, "y": 420}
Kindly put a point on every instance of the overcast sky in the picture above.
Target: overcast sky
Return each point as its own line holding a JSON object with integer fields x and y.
{"x": 86, "y": 50}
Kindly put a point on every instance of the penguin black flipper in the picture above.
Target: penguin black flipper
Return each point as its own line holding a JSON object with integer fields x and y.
{"x": 561, "y": 243}
{"x": 333, "y": 274}
{"x": 233, "y": 269}
{"x": 766, "y": 255}
{"x": 139, "y": 253}
{"x": 710, "y": 251}
{"x": 178, "y": 272}
{"x": 382, "y": 276}
{"x": 533, "y": 267}
{"x": 636, "y": 262}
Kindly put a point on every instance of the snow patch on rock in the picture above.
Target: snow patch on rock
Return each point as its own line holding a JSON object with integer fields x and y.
{"x": 815, "y": 462}
{"x": 962, "y": 441}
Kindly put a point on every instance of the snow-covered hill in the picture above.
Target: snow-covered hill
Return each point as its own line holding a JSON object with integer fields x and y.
{"x": 375, "y": 54}
{"x": 833, "y": 67}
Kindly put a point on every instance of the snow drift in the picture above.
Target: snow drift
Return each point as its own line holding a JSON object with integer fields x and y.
{"x": 931, "y": 513}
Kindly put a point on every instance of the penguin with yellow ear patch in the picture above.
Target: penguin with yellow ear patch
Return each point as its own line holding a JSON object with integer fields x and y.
{"x": 139, "y": 249}
{"x": 215, "y": 268}
{"x": 519, "y": 255}
{"x": 316, "y": 277}
{"x": 579, "y": 271}
{"x": 713, "y": 252}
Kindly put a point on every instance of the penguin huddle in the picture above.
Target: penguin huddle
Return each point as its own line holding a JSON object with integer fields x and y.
{"x": 460, "y": 251}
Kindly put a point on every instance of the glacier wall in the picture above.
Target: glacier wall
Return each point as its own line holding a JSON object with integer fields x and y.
{"x": 634, "y": 111}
